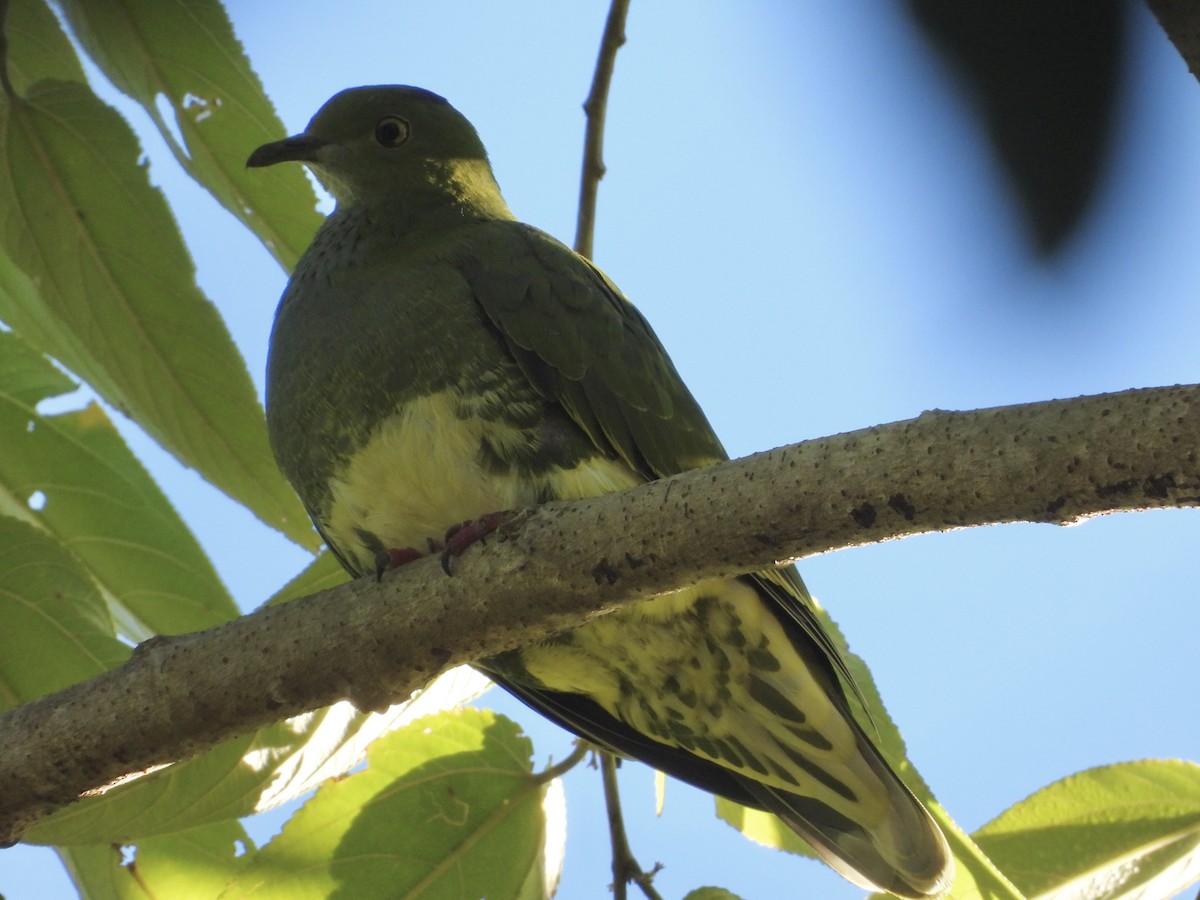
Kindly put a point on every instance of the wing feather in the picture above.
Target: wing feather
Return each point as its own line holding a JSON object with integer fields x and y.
{"x": 585, "y": 346}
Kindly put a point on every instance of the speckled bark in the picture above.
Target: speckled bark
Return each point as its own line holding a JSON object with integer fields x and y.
{"x": 1055, "y": 462}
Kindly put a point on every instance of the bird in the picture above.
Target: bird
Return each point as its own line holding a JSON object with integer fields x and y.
{"x": 434, "y": 360}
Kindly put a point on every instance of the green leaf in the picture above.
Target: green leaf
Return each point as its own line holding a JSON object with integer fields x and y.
{"x": 976, "y": 876}
{"x": 762, "y": 828}
{"x": 321, "y": 574}
{"x": 448, "y": 807}
{"x": 1125, "y": 830}
{"x": 37, "y": 47}
{"x": 115, "y": 298}
{"x": 96, "y": 500}
{"x": 193, "y": 864}
{"x": 96, "y": 871}
{"x": 57, "y": 629}
{"x": 212, "y": 787}
{"x": 249, "y": 774}
{"x": 711, "y": 893}
{"x": 187, "y": 54}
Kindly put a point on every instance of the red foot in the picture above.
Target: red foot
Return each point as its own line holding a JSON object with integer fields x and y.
{"x": 394, "y": 559}
{"x": 458, "y": 538}
{"x": 461, "y": 536}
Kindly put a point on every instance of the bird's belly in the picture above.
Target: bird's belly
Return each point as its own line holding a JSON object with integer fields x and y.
{"x": 424, "y": 469}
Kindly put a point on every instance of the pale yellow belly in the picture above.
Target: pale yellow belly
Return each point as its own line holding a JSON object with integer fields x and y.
{"x": 420, "y": 473}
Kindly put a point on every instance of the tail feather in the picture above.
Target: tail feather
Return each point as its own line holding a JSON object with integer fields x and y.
{"x": 906, "y": 854}
{"x": 852, "y": 807}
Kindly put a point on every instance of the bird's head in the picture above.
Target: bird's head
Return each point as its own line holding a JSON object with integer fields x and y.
{"x": 389, "y": 143}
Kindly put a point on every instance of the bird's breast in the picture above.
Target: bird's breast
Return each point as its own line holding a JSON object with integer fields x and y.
{"x": 445, "y": 458}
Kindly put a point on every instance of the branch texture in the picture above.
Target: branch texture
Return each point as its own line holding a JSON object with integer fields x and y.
{"x": 374, "y": 643}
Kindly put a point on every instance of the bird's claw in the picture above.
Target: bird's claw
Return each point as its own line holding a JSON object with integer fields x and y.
{"x": 461, "y": 536}
{"x": 458, "y": 538}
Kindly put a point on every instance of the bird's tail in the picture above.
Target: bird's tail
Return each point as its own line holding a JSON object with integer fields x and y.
{"x": 811, "y": 763}
{"x": 901, "y": 850}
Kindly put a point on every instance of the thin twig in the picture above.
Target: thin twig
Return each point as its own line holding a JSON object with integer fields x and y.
{"x": 595, "y": 108}
{"x": 624, "y": 865}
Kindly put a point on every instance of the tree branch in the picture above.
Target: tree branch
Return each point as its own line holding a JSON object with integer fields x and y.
{"x": 559, "y": 565}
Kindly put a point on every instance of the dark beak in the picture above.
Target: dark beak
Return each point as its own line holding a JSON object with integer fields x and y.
{"x": 298, "y": 148}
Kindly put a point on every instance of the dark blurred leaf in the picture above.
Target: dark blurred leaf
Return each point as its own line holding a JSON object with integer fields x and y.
{"x": 1046, "y": 77}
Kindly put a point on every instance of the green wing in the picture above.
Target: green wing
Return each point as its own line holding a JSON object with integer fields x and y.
{"x": 584, "y": 345}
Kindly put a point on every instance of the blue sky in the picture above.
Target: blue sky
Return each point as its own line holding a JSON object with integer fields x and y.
{"x": 800, "y": 204}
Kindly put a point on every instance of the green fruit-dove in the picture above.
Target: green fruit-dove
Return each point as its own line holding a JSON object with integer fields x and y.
{"x": 434, "y": 360}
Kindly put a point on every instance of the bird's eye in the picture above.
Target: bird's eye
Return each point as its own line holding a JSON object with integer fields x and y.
{"x": 391, "y": 131}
